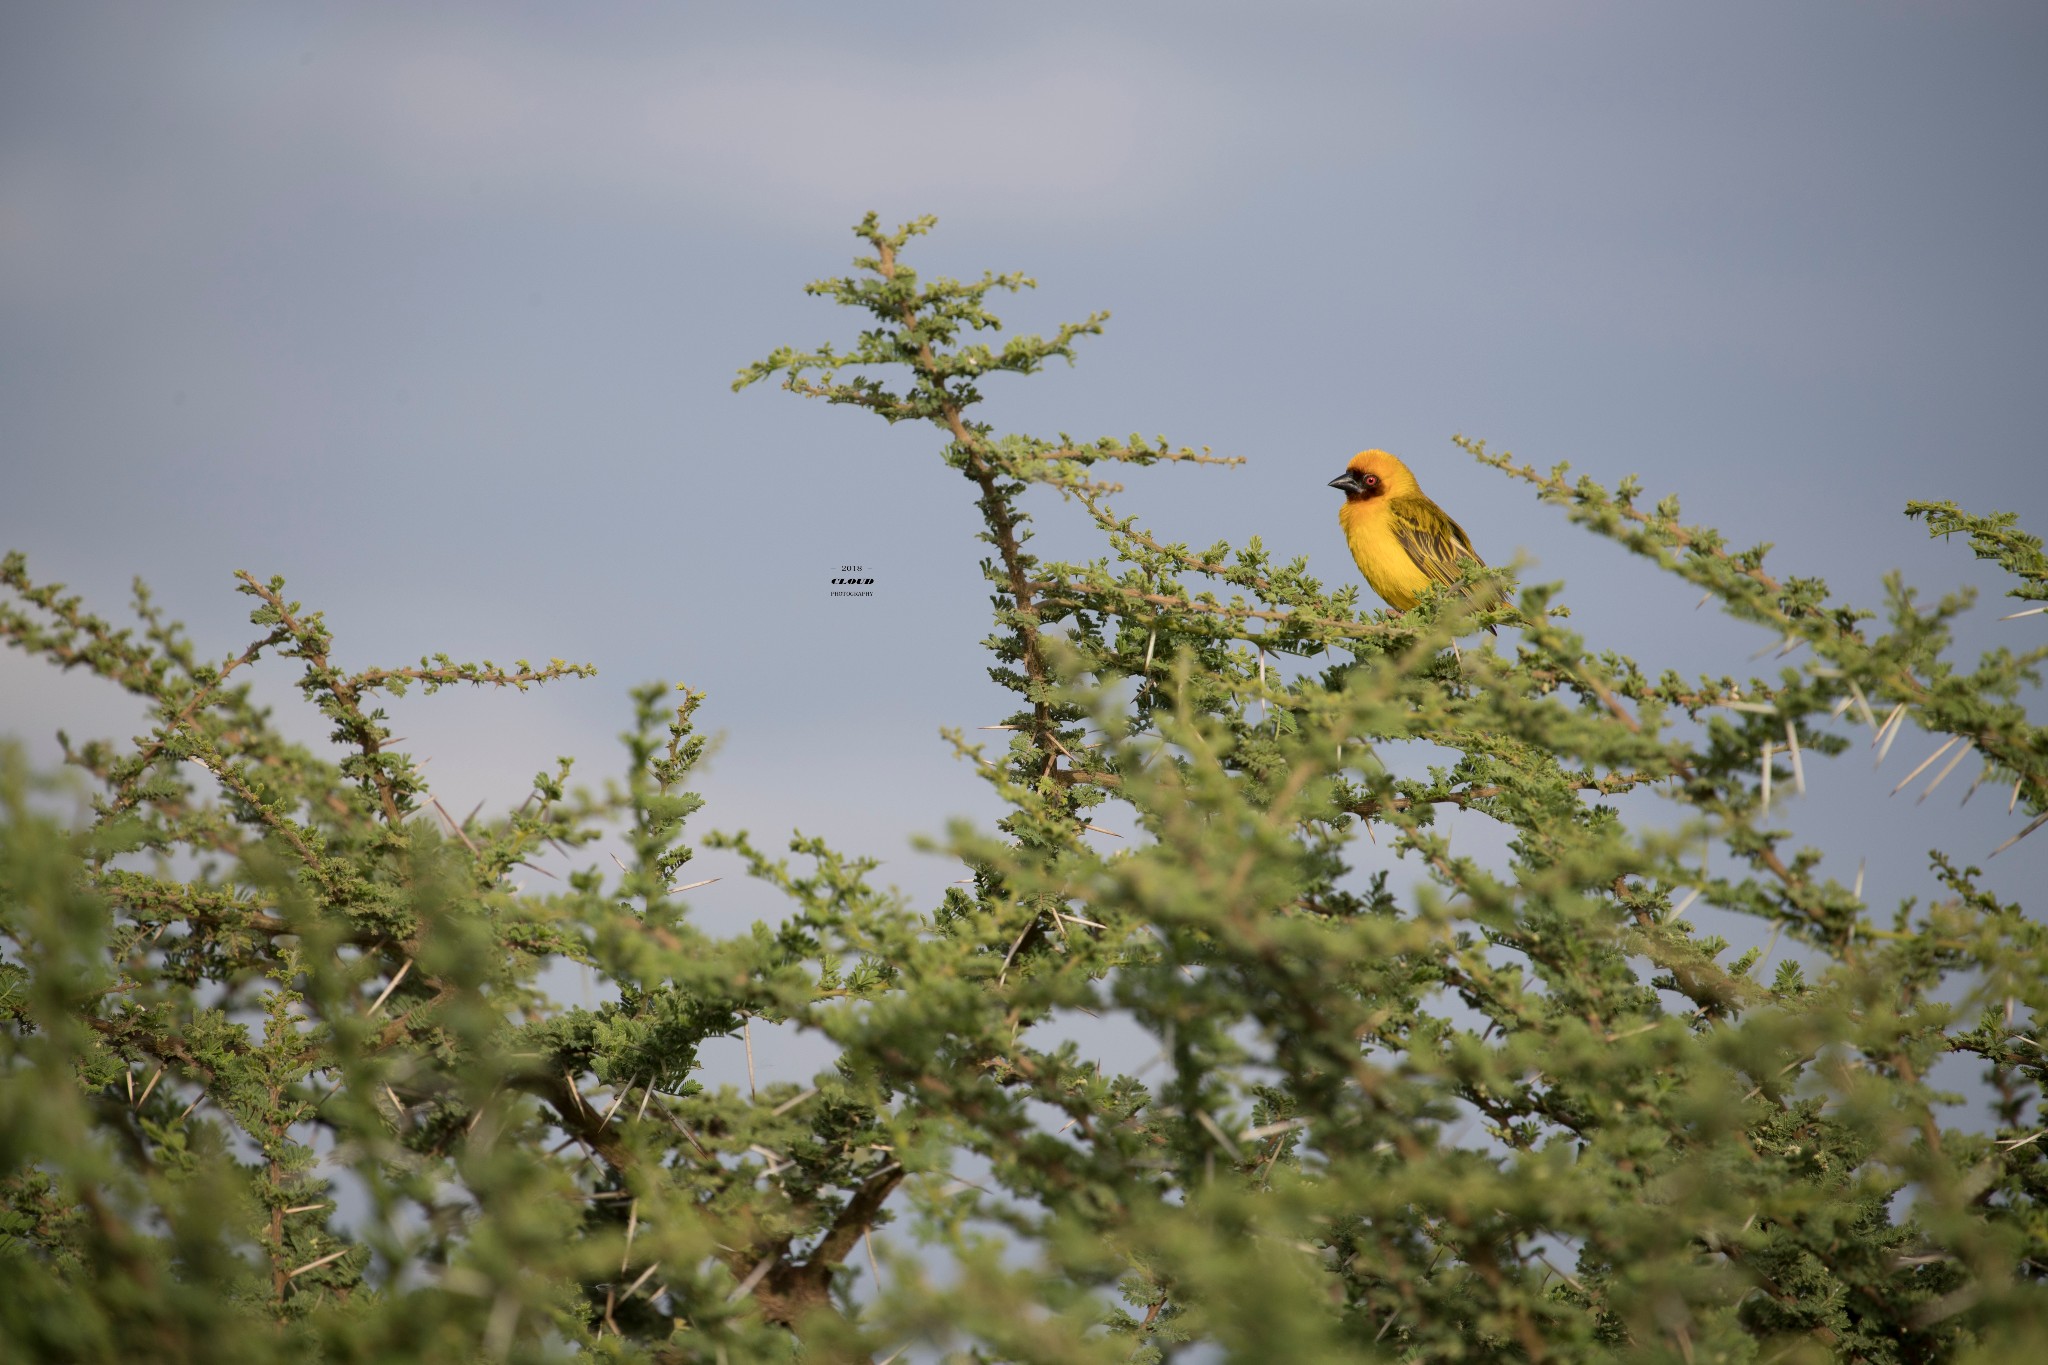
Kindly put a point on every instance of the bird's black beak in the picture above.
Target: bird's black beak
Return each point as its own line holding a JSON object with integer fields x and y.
{"x": 1348, "y": 481}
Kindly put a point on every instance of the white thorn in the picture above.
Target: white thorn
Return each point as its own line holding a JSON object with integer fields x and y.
{"x": 1926, "y": 763}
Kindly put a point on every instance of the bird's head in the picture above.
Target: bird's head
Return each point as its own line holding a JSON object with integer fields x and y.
{"x": 1375, "y": 474}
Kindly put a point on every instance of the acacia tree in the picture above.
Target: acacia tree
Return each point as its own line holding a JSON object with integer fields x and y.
{"x": 279, "y": 1082}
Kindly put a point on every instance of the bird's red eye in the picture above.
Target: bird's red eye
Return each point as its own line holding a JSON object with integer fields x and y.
{"x": 1372, "y": 481}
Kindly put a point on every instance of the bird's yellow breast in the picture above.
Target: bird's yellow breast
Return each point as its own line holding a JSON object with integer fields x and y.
{"x": 1388, "y": 568}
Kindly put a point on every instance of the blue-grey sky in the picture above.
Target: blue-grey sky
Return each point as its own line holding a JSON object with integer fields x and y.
{"x": 434, "y": 310}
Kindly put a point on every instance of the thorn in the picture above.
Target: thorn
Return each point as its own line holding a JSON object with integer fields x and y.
{"x": 389, "y": 987}
{"x": 694, "y": 885}
{"x": 455, "y": 828}
{"x": 617, "y": 1100}
{"x": 143, "y": 1098}
{"x": 1926, "y": 763}
{"x": 1961, "y": 754}
{"x": 315, "y": 1265}
{"x": 779, "y": 1110}
{"x": 1011, "y": 956}
{"x": 1784, "y": 647}
{"x": 754, "y": 1277}
{"x": 1680, "y": 908}
{"x": 1974, "y": 785}
{"x": 1888, "y": 732}
{"x": 1223, "y": 1139}
{"x": 2030, "y": 611}
{"x": 1858, "y": 891}
{"x": 1766, "y": 784}
{"x": 1862, "y": 704}
{"x": 645, "y": 1275}
{"x": 1266, "y": 1130}
{"x": 2037, "y": 822}
{"x": 2013, "y": 804}
{"x": 1798, "y": 767}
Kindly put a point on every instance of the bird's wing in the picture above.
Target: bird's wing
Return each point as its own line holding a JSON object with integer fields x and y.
{"x": 1431, "y": 538}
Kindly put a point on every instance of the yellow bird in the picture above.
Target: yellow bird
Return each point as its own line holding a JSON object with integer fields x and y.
{"x": 1402, "y": 541}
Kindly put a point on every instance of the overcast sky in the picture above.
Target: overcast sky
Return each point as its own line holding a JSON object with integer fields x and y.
{"x": 434, "y": 310}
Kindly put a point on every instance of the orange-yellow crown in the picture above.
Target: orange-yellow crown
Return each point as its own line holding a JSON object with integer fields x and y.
{"x": 1394, "y": 476}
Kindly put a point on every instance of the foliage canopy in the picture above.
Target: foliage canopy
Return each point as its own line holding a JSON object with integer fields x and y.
{"x": 278, "y": 1079}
